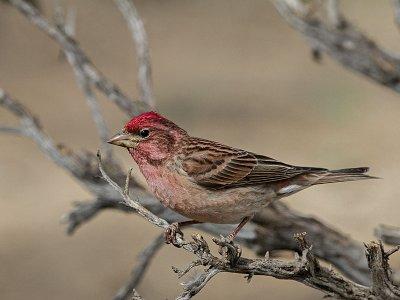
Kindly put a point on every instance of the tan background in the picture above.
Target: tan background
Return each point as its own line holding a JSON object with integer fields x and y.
{"x": 232, "y": 71}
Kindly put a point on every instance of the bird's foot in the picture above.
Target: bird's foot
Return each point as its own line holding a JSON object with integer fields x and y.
{"x": 170, "y": 234}
{"x": 230, "y": 250}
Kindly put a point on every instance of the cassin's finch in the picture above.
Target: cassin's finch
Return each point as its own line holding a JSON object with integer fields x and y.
{"x": 206, "y": 181}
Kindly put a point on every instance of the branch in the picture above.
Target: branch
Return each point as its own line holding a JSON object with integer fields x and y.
{"x": 378, "y": 262}
{"x": 305, "y": 269}
{"x": 345, "y": 44}
{"x": 143, "y": 261}
{"x": 68, "y": 44}
{"x": 139, "y": 36}
{"x": 67, "y": 26}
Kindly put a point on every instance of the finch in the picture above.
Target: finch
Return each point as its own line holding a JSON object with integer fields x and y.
{"x": 206, "y": 181}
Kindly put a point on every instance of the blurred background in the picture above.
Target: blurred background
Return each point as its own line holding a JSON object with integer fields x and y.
{"x": 232, "y": 71}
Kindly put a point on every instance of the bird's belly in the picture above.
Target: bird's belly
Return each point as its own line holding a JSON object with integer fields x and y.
{"x": 218, "y": 206}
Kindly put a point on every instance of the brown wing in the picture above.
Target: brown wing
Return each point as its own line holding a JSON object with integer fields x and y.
{"x": 217, "y": 166}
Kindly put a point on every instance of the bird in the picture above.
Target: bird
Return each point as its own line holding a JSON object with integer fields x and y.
{"x": 209, "y": 182}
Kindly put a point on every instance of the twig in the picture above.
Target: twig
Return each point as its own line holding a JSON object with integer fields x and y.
{"x": 139, "y": 36}
{"x": 127, "y": 200}
{"x": 91, "y": 100}
{"x": 143, "y": 261}
{"x": 194, "y": 286}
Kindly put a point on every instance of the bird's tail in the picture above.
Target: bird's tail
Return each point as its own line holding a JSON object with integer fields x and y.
{"x": 345, "y": 175}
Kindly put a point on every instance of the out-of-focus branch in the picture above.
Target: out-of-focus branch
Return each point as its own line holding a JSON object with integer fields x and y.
{"x": 142, "y": 263}
{"x": 68, "y": 44}
{"x": 84, "y": 83}
{"x": 345, "y": 44}
{"x": 388, "y": 234}
{"x": 64, "y": 25}
{"x": 139, "y": 37}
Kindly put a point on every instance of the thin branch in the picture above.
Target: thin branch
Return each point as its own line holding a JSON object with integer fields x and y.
{"x": 111, "y": 90}
{"x": 143, "y": 261}
{"x": 194, "y": 286}
{"x": 81, "y": 77}
{"x": 91, "y": 99}
{"x": 139, "y": 36}
{"x": 134, "y": 204}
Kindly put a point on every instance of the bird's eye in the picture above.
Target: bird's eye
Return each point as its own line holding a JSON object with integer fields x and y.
{"x": 144, "y": 133}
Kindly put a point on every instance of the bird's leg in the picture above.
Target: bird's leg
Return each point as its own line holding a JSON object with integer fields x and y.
{"x": 174, "y": 229}
{"x": 230, "y": 237}
{"x": 226, "y": 245}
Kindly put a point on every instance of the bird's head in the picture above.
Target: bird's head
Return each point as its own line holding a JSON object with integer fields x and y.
{"x": 149, "y": 136}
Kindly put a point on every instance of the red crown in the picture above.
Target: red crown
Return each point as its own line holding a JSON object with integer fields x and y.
{"x": 145, "y": 118}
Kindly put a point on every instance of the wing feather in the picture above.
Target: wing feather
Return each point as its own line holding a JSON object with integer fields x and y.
{"x": 217, "y": 166}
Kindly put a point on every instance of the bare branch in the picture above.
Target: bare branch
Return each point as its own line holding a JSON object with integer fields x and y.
{"x": 305, "y": 269}
{"x": 81, "y": 77}
{"x": 382, "y": 284}
{"x": 139, "y": 36}
{"x": 112, "y": 91}
{"x": 143, "y": 261}
{"x": 194, "y": 286}
{"x": 349, "y": 46}
{"x": 134, "y": 204}
{"x": 91, "y": 99}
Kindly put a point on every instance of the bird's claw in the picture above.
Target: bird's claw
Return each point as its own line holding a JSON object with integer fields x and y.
{"x": 170, "y": 234}
{"x": 230, "y": 250}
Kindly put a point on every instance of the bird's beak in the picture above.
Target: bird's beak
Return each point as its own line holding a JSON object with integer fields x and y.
{"x": 123, "y": 140}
